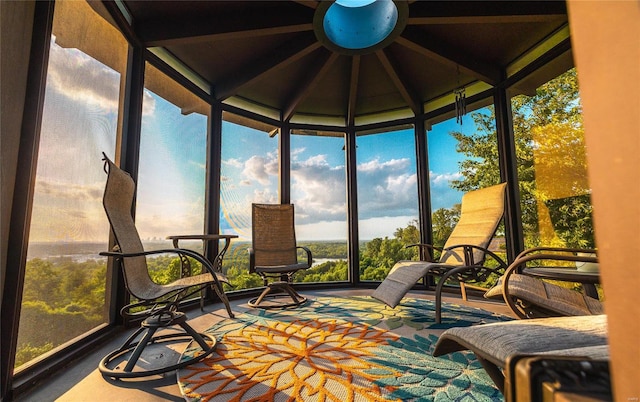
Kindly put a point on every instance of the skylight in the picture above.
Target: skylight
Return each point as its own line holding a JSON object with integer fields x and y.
{"x": 358, "y": 26}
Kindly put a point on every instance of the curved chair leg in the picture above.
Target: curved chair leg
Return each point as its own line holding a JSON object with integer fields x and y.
{"x": 109, "y": 366}
{"x": 276, "y": 290}
{"x": 441, "y": 282}
{"x": 220, "y": 292}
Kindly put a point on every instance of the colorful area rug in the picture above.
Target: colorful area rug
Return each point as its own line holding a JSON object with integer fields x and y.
{"x": 340, "y": 349}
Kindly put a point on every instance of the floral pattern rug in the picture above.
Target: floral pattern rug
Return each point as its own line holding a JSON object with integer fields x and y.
{"x": 339, "y": 349}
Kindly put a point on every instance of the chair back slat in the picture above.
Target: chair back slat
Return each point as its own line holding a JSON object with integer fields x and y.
{"x": 117, "y": 201}
{"x": 273, "y": 233}
{"x": 481, "y": 212}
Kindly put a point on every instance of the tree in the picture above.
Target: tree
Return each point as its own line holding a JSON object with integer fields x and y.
{"x": 443, "y": 222}
{"x": 547, "y": 134}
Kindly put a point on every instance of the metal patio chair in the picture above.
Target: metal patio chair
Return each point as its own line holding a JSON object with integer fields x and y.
{"x": 156, "y": 304}
{"x": 274, "y": 255}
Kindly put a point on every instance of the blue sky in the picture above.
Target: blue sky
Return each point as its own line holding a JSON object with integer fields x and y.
{"x": 387, "y": 187}
{"x": 80, "y": 121}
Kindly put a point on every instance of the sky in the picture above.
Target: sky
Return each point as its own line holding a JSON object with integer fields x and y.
{"x": 80, "y": 122}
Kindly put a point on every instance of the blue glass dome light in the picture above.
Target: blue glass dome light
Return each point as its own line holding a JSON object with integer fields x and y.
{"x": 359, "y": 26}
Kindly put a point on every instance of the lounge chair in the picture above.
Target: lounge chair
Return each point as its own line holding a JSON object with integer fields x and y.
{"x": 496, "y": 344}
{"x": 463, "y": 257}
{"x": 532, "y": 297}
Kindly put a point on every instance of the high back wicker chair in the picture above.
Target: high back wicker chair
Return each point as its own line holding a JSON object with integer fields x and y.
{"x": 156, "y": 304}
{"x": 274, "y": 255}
{"x": 463, "y": 256}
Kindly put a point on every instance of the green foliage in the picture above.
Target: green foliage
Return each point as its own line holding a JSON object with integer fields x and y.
{"x": 571, "y": 219}
{"x": 554, "y": 111}
{"x": 28, "y": 352}
{"x": 61, "y": 300}
{"x": 408, "y": 235}
{"x": 60, "y": 283}
{"x": 378, "y": 255}
{"x": 330, "y": 271}
{"x": 167, "y": 268}
{"x": 443, "y": 221}
{"x": 42, "y": 327}
{"x": 327, "y": 249}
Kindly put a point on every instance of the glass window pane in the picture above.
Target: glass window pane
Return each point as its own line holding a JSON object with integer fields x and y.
{"x": 172, "y": 170}
{"x": 249, "y": 174}
{"x": 554, "y": 187}
{"x": 64, "y": 289}
{"x": 387, "y": 200}
{"x": 318, "y": 191}
{"x": 462, "y": 157}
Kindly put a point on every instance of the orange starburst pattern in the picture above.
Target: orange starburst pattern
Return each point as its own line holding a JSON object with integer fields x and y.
{"x": 292, "y": 361}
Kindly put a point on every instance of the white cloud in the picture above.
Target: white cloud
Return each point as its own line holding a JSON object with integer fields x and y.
{"x": 318, "y": 190}
{"x": 319, "y": 231}
{"x": 443, "y": 179}
{"x": 83, "y": 79}
{"x": 442, "y": 195}
{"x": 260, "y": 169}
{"x": 261, "y": 196}
{"x": 393, "y": 165}
{"x": 70, "y": 191}
{"x": 68, "y": 211}
{"x": 387, "y": 197}
{"x": 233, "y": 162}
{"x": 382, "y": 227}
{"x": 387, "y": 189}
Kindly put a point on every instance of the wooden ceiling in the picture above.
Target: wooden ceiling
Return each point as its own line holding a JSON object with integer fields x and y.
{"x": 265, "y": 54}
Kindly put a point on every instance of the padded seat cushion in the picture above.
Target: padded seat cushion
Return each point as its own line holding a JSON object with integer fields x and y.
{"x": 548, "y": 295}
{"x": 280, "y": 269}
{"x": 401, "y": 278}
{"x": 497, "y": 341}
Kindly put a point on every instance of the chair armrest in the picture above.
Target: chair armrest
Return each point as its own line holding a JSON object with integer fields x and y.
{"x": 426, "y": 250}
{"x": 548, "y": 252}
{"x": 217, "y": 276}
{"x": 552, "y": 254}
{"x": 308, "y": 252}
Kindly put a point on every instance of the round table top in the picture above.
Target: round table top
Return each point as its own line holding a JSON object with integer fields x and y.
{"x": 563, "y": 274}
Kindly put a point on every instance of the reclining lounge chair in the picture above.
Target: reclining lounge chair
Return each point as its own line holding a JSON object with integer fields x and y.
{"x": 497, "y": 344}
{"x": 531, "y": 297}
{"x": 464, "y": 254}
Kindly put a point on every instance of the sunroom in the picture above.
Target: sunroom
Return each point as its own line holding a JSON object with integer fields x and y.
{"x": 372, "y": 117}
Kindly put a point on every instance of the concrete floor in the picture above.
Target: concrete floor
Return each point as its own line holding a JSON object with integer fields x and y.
{"x": 82, "y": 381}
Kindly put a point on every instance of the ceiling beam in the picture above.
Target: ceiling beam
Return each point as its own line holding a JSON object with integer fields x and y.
{"x": 476, "y": 19}
{"x": 399, "y": 82}
{"x": 308, "y": 3}
{"x": 170, "y": 32}
{"x": 446, "y": 55}
{"x": 315, "y": 74}
{"x": 492, "y": 12}
{"x": 353, "y": 90}
{"x": 257, "y": 70}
